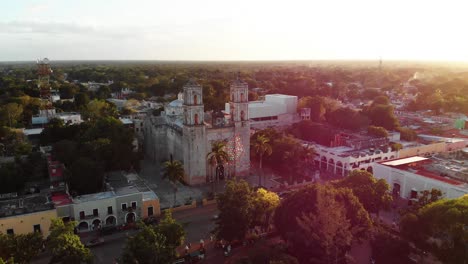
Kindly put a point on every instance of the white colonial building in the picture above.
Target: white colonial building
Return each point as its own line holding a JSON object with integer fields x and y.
{"x": 275, "y": 110}
{"x": 408, "y": 176}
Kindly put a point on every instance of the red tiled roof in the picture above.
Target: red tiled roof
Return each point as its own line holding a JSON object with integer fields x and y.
{"x": 61, "y": 199}
{"x": 431, "y": 175}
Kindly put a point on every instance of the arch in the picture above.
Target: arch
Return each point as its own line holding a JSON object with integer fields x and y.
{"x": 392, "y": 157}
{"x": 195, "y": 99}
{"x": 111, "y": 220}
{"x": 242, "y": 97}
{"x": 96, "y": 223}
{"x": 130, "y": 218}
{"x": 242, "y": 115}
{"x": 83, "y": 226}
{"x": 370, "y": 169}
{"x": 385, "y": 158}
{"x": 323, "y": 162}
{"x": 339, "y": 168}
{"x": 331, "y": 165}
{"x": 196, "y": 119}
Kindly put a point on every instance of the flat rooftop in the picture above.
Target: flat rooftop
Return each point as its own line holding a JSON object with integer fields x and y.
{"x": 422, "y": 167}
{"x": 25, "y": 205}
{"x": 399, "y": 162}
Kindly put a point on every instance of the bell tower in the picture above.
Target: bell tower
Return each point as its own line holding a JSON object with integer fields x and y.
{"x": 239, "y": 107}
{"x": 194, "y": 134}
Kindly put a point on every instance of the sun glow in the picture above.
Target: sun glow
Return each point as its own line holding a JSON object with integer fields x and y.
{"x": 244, "y": 30}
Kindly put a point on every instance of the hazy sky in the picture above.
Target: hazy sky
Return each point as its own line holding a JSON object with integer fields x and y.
{"x": 233, "y": 30}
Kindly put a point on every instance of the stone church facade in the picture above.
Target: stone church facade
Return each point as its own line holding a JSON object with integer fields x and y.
{"x": 186, "y": 133}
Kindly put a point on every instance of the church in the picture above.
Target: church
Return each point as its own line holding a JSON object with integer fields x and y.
{"x": 186, "y": 133}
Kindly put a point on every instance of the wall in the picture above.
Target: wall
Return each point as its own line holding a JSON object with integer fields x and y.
{"x": 422, "y": 150}
{"x": 23, "y": 224}
{"x": 88, "y": 207}
{"x": 121, "y": 214}
{"x": 409, "y": 181}
{"x": 156, "y": 208}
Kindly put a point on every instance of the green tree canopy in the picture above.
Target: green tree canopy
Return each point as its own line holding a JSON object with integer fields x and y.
{"x": 440, "y": 227}
{"x": 372, "y": 193}
{"x": 22, "y": 248}
{"x": 241, "y": 207}
{"x": 174, "y": 172}
{"x": 64, "y": 245}
{"x": 320, "y": 223}
{"x": 172, "y": 230}
{"x": 377, "y": 131}
{"x": 148, "y": 246}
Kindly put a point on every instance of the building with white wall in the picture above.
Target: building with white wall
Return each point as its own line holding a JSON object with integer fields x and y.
{"x": 126, "y": 200}
{"x": 408, "y": 176}
{"x": 275, "y": 110}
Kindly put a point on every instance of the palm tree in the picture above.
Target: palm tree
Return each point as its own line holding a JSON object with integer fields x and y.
{"x": 217, "y": 156}
{"x": 174, "y": 171}
{"x": 261, "y": 146}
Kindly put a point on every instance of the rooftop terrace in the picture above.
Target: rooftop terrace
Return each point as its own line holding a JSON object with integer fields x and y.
{"x": 423, "y": 167}
{"x": 25, "y": 205}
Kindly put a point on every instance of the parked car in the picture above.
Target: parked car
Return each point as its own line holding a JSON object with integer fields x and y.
{"x": 95, "y": 242}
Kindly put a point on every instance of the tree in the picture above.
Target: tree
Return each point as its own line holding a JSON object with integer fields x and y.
{"x": 319, "y": 223}
{"x": 81, "y": 100}
{"x": 64, "y": 245}
{"x": 261, "y": 146}
{"x": 10, "y": 114}
{"x": 217, "y": 157}
{"x": 174, "y": 172}
{"x": 264, "y": 204}
{"x": 87, "y": 176}
{"x": 389, "y": 249}
{"x": 235, "y": 207}
{"x": 377, "y": 131}
{"x": 396, "y": 146}
{"x": 408, "y": 134}
{"x": 66, "y": 151}
{"x": 100, "y": 109}
{"x": 372, "y": 193}
{"x": 148, "y": 246}
{"x": 440, "y": 227}
{"x": 380, "y": 112}
{"x": 173, "y": 232}
{"x": 22, "y": 248}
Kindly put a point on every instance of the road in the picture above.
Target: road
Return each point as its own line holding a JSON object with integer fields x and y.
{"x": 198, "y": 222}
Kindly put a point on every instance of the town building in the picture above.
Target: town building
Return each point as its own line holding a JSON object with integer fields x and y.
{"x": 408, "y": 176}
{"x": 186, "y": 133}
{"x": 22, "y": 215}
{"x": 126, "y": 200}
{"x": 44, "y": 117}
{"x": 276, "y": 110}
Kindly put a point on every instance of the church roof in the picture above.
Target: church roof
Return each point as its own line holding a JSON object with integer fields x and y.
{"x": 176, "y": 103}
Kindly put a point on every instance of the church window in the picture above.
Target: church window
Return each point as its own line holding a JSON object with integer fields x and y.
{"x": 242, "y": 116}
{"x": 242, "y": 97}
{"x": 195, "y": 99}
{"x": 196, "y": 119}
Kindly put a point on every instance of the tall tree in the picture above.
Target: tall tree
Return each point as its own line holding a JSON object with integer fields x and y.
{"x": 241, "y": 207}
{"x": 172, "y": 230}
{"x": 320, "y": 223}
{"x": 441, "y": 228}
{"x": 64, "y": 245}
{"x": 234, "y": 206}
{"x": 217, "y": 158}
{"x": 372, "y": 193}
{"x": 22, "y": 248}
{"x": 148, "y": 246}
{"x": 261, "y": 146}
{"x": 174, "y": 172}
